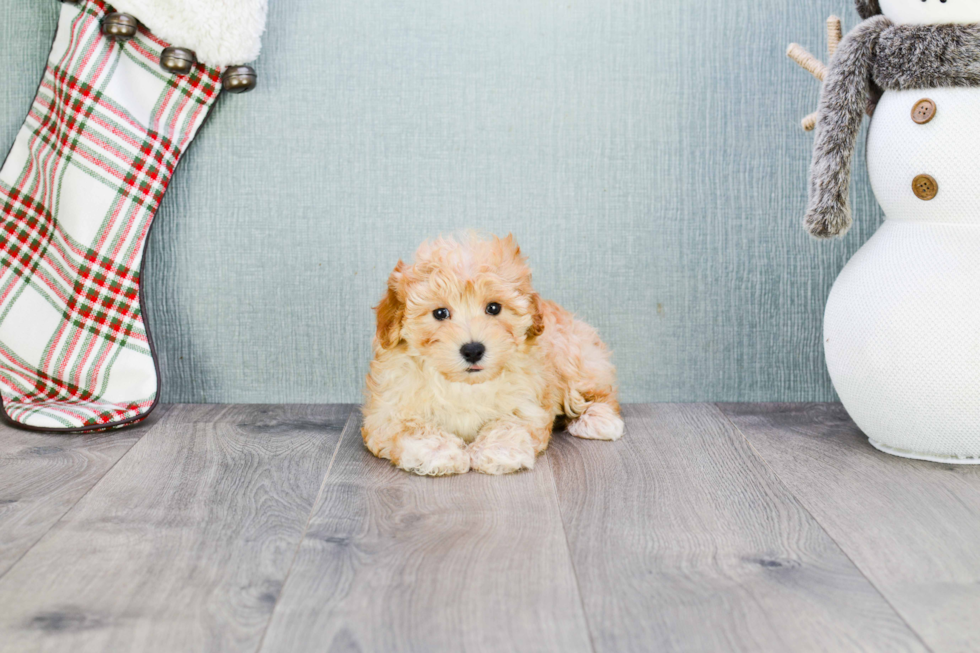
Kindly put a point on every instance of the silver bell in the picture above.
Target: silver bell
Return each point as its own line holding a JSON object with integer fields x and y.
{"x": 178, "y": 61}
{"x": 119, "y": 26}
{"x": 239, "y": 79}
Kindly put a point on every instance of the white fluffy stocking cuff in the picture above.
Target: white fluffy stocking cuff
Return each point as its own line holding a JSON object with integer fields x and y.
{"x": 221, "y": 32}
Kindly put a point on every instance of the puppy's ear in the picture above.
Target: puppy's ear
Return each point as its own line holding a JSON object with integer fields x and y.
{"x": 391, "y": 311}
{"x": 509, "y": 248}
{"x": 537, "y": 317}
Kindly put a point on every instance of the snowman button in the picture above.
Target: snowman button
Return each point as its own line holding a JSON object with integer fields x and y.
{"x": 923, "y": 111}
{"x": 925, "y": 187}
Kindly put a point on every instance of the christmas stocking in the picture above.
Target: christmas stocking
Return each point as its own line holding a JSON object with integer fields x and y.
{"x": 116, "y": 109}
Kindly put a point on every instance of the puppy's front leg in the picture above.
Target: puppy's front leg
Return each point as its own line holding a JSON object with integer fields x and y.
{"x": 418, "y": 447}
{"x": 510, "y": 444}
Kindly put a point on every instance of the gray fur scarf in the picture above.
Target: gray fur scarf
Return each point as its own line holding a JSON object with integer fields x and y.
{"x": 876, "y": 56}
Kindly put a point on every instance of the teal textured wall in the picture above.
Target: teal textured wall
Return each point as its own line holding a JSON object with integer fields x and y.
{"x": 646, "y": 154}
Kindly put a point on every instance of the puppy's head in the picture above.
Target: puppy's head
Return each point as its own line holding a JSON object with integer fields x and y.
{"x": 466, "y": 307}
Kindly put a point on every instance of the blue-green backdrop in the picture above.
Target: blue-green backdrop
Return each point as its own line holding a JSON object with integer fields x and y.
{"x": 647, "y": 154}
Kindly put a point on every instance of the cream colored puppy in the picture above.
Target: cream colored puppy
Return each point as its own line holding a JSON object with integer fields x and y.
{"x": 471, "y": 367}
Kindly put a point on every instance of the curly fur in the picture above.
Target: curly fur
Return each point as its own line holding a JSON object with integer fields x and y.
{"x": 431, "y": 412}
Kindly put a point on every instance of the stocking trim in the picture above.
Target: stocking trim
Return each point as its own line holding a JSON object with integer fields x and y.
{"x": 221, "y": 32}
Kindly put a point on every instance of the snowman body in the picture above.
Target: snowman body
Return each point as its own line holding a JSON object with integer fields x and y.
{"x": 902, "y": 323}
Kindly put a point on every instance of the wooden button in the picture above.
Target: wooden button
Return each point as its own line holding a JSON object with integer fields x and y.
{"x": 923, "y": 111}
{"x": 925, "y": 187}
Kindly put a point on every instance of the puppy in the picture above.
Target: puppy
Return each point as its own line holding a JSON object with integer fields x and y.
{"x": 471, "y": 367}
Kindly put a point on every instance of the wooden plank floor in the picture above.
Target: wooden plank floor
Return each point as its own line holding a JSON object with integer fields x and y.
{"x": 42, "y": 475}
{"x": 270, "y": 528}
{"x": 913, "y": 528}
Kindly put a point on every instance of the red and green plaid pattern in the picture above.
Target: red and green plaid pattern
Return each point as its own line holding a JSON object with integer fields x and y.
{"x": 78, "y": 192}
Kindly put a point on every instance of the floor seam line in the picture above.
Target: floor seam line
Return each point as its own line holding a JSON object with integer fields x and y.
{"x": 309, "y": 519}
{"x": 568, "y": 549}
{"x": 79, "y": 500}
{"x": 840, "y": 548}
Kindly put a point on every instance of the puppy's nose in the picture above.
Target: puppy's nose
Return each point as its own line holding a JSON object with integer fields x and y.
{"x": 472, "y": 352}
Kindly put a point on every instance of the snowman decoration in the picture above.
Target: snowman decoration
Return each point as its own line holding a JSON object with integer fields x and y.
{"x": 902, "y": 323}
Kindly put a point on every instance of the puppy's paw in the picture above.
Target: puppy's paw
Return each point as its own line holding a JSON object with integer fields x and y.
{"x": 502, "y": 455}
{"x": 598, "y": 422}
{"x": 433, "y": 456}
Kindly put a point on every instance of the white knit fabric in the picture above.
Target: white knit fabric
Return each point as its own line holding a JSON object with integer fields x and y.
{"x": 902, "y": 325}
{"x": 920, "y": 12}
{"x": 902, "y": 338}
{"x": 947, "y": 148}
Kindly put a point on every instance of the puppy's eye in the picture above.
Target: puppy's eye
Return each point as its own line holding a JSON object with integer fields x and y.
{"x": 493, "y": 308}
{"x": 441, "y": 314}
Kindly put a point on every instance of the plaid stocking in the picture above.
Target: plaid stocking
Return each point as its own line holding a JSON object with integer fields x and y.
{"x": 78, "y": 193}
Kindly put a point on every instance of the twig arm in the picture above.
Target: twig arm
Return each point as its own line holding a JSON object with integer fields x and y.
{"x": 807, "y": 61}
{"x": 810, "y": 122}
{"x": 834, "y": 35}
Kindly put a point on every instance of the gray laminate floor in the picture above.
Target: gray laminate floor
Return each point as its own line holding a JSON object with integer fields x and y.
{"x": 270, "y": 528}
